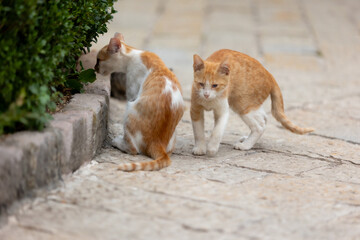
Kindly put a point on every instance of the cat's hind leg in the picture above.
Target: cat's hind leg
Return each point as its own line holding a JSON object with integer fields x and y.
{"x": 256, "y": 121}
{"x": 120, "y": 143}
{"x": 125, "y": 144}
{"x": 171, "y": 145}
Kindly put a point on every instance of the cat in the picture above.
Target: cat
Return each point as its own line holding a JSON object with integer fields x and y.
{"x": 230, "y": 79}
{"x": 158, "y": 105}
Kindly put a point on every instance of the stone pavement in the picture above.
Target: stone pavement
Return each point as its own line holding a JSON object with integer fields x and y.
{"x": 287, "y": 187}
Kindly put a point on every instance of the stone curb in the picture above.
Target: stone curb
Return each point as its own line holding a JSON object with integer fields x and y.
{"x": 29, "y": 160}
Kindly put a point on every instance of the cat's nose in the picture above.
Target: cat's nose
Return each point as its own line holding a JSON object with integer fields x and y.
{"x": 206, "y": 95}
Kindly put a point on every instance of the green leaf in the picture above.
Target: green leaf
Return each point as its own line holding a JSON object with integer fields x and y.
{"x": 41, "y": 55}
{"x": 74, "y": 84}
{"x": 87, "y": 76}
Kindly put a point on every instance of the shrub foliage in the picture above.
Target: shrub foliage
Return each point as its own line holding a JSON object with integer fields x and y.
{"x": 41, "y": 41}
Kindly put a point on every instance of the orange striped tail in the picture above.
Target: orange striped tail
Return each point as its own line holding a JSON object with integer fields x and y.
{"x": 277, "y": 110}
{"x": 154, "y": 165}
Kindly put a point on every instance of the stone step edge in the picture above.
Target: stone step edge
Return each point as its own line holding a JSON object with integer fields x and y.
{"x": 32, "y": 159}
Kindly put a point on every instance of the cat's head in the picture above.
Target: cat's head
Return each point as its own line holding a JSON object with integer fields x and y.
{"x": 112, "y": 57}
{"x": 210, "y": 79}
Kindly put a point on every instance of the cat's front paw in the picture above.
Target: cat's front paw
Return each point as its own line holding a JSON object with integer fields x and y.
{"x": 243, "y": 146}
{"x": 212, "y": 152}
{"x": 212, "y": 149}
{"x": 243, "y": 138}
{"x": 199, "y": 150}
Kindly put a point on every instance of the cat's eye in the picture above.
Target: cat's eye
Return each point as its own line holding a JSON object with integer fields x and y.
{"x": 201, "y": 84}
{"x": 214, "y": 85}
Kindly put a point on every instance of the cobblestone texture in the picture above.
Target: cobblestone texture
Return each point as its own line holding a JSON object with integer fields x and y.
{"x": 287, "y": 187}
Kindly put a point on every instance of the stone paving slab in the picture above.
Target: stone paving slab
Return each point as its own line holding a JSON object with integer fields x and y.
{"x": 289, "y": 186}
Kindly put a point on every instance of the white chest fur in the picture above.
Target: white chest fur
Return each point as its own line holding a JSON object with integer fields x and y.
{"x": 215, "y": 104}
{"x": 136, "y": 74}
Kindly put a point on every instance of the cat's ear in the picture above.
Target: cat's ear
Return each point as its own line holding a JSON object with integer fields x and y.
{"x": 119, "y": 36}
{"x": 224, "y": 67}
{"x": 198, "y": 63}
{"x": 114, "y": 45}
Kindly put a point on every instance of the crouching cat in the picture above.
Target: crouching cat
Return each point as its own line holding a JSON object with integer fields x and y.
{"x": 232, "y": 79}
{"x": 158, "y": 106}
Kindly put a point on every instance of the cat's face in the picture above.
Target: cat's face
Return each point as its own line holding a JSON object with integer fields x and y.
{"x": 112, "y": 57}
{"x": 210, "y": 79}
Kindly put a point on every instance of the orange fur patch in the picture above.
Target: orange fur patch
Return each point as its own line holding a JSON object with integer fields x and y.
{"x": 103, "y": 54}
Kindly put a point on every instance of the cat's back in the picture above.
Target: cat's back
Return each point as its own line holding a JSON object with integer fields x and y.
{"x": 242, "y": 67}
{"x": 161, "y": 90}
{"x": 234, "y": 57}
{"x": 159, "y": 105}
{"x": 250, "y": 83}
{"x": 158, "y": 70}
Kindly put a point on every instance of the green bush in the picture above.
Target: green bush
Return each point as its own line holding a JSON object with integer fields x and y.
{"x": 40, "y": 43}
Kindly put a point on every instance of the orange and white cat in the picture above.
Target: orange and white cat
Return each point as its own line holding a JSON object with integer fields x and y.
{"x": 230, "y": 79}
{"x": 157, "y": 106}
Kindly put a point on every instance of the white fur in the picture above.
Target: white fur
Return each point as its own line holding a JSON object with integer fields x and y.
{"x": 136, "y": 74}
{"x": 117, "y": 62}
{"x": 171, "y": 143}
{"x": 199, "y": 134}
{"x": 176, "y": 97}
{"x": 138, "y": 138}
{"x": 130, "y": 110}
{"x": 168, "y": 86}
{"x": 220, "y": 107}
{"x": 256, "y": 121}
{"x": 113, "y": 64}
{"x": 120, "y": 143}
{"x": 221, "y": 114}
{"x": 213, "y": 104}
{"x": 133, "y": 141}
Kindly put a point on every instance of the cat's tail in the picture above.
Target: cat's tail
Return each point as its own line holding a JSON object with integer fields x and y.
{"x": 277, "y": 110}
{"x": 162, "y": 161}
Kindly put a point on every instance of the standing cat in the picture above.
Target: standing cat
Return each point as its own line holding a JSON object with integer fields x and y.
{"x": 158, "y": 106}
{"x": 232, "y": 79}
